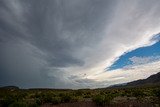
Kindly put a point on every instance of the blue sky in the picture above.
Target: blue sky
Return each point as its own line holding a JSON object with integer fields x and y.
{"x": 124, "y": 60}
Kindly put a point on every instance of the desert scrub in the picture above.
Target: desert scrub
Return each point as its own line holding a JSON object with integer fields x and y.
{"x": 7, "y": 100}
{"x": 56, "y": 100}
{"x": 22, "y": 104}
{"x": 138, "y": 93}
{"x": 78, "y": 92}
{"x": 102, "y": 99}
{"x": 18, "y": 104}
{"x": 157, "y": 93}
{"x": 77, "y": 99}
{"x": 65, "y": 98}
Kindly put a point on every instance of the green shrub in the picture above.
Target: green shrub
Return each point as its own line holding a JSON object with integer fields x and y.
{"x": 108, "y": 99}
{"x": 43, "y": 98}
{"x": 99, "y": 99}
{"x": 157, "y": 93}
{"x": 47, "y": 98}
{"x": 8, "y": 100}
{"x": 138, "y": 93}
{"x": 78, "y": 92}
{"x": 38, "y": 101}
{"x": 22, "y": 104}
{"x": 56, "y": 100}
{"x": 66, "y": 98}
{"x": 102, "y": 99}
{"x": 18, "y": 104}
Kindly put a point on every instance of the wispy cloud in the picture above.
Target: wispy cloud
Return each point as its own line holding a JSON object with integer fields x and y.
{"x": 143, "y": 60}
{"x": 125, "y": 74}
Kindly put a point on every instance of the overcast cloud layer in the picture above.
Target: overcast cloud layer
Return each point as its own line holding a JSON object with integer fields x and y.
{"x": 71, "y": 43}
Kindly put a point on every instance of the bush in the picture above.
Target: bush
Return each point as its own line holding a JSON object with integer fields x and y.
{"x": 102, "y": 99}
{"x": 99, "y": 99}
{"x": 38, "y": 101}
{"x": 56, "y": 100}
{"x": 138, "y": 93}
{"x": 8, "y": 100}
{"x": 157, "y": 93}
{"x": 78, "y": 92}
{"x": 18, "y": 104}
{"x": 47, "y": 98}
{"x": 22, "y": 104}
{"x": 108, "y": 99}
{"x": 65, "y": 98}
{"x": 87, "y": 95}
{"x": 43, "y": 98}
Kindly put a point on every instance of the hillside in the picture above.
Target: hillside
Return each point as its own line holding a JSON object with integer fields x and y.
{"x": 151, "y": 80}
{"x": 9, "y": 87}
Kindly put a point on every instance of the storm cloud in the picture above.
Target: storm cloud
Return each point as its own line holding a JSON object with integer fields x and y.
{"x": 66, "y": 43}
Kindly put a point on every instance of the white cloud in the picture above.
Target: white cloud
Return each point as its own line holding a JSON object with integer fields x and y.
{"x": 125, "y": 74}
{"x": 143, "y": 60}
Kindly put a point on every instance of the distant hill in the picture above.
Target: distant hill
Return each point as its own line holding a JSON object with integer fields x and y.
{"x": 151, "y": 80}
{"x": 9, "y": 87}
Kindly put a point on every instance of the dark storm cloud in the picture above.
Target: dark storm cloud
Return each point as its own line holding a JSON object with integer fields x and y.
{"x": 37, "y": 35}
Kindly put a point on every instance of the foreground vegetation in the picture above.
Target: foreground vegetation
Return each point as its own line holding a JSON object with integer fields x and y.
{"x": 100, "y": 97}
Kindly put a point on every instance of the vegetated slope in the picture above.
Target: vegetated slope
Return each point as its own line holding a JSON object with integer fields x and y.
{"x": 151, "y": 80}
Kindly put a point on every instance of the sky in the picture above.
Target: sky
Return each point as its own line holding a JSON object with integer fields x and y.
{"x": 138, "y": 56}
{"x": 78, "y": 43}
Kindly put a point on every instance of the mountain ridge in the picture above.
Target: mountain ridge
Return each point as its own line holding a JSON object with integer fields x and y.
{"x": 149, "y": 81}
